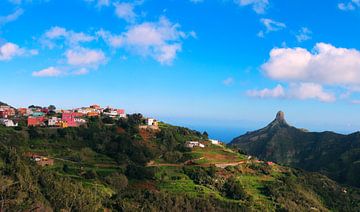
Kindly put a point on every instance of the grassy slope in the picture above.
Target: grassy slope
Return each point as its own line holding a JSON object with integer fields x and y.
{"x": 253, "y": 175}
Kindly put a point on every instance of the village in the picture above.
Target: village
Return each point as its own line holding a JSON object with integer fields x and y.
{"x": 51, "y": 117}
{"x": 36, "y": 116}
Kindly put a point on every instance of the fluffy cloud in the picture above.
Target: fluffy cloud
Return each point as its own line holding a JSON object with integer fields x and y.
{"x": 125, "y": 11}
{"x": 308, "y": 72}
{"x": 11, "y": 17}
{"x": 326, "y": 64}
{"x": 83, "y": 57}
{"x": 70, "y": 37}
{"x": 305, "y": 91}
{"x": 114, "y": 41}
{"x": 160, "y": 40}
{"x": 259, "y": 6}
{"x": 304, "y": 34}
{"x": 48, "y": 72}
{"x": 10, "y": 50}
{"x": 272, "y": 25}
{"x": 302, "y": 91}
{"x": 351, "y": 5}
{"x": 79, "y": 60}
{"x": 277, "y": 92}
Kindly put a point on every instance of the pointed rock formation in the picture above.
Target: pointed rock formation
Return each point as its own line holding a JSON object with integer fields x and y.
{"x": 312, "y": 151}
{"x": 280, "y": 116}
{"x": 279, "y": 121}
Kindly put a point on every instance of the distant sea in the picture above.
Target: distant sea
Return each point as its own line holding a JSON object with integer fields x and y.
{"x": 224, "y": 134}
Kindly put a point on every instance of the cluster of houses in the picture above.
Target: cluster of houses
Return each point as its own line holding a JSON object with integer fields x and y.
{"x": 38, "y": 116}
{"x": 5, "y": 112}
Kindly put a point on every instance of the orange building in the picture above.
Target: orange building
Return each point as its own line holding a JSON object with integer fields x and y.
{"x": 22, "y": 111}
{"x": 35, "y": 121}
{"x": 92, "y": 114}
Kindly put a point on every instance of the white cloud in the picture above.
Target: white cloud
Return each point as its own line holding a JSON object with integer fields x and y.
{"x": 351, "y": 5}
{"x": 48, "y": 72}
{"x": 83, "y": 57}
{"x": 10, "y": 50}
{"x": 11, "y": 17}
{"x": 114, "y": 41}
{"x": 259, "y": 6}
{"x": 326, "y": 64}
{"x": 228, "y": 81}
{"x": 125, "y": 11}
{"x": 272, "y": 25}
{"x": 70, "y": 37}
{"x": 160, "y": 40}
{"x": 302, "y": 91}
{"x": 304, "y": 34}
{"x": 305, "y": 91}
{"x": 277, "y": 92}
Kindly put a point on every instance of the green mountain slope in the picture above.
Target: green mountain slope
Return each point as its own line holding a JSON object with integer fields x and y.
{"x": 119, "y": 167}
{"x": 332, "y": 154}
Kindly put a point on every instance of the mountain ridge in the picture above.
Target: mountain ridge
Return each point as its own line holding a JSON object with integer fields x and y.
{"x": 333, "y": 154}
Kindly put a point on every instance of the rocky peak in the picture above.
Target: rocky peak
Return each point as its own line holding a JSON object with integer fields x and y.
{"x": 279, "y": 120}
{"x": 280, "y": 116}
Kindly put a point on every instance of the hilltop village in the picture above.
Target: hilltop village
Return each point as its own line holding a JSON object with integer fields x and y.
{"x": 37, "y": 116}
{"x": 51, "y": 117}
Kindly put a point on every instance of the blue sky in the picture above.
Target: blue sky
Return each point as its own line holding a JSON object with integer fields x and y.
{"x": 226, "y": 64}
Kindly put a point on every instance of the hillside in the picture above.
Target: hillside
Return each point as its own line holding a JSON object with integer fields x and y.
{"x": 332, "y": 154}
{"x": 120, "y": 167}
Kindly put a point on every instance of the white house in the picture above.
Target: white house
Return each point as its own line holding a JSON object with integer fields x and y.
{"x": 53, "y": 121}
{"x": 8, "y": 123}
{"x": 192, "y": 144}
{"x": 80, "y": 121}
{"x": 150, "y": 122}
{"x": 111, "y": 113}
{"x": 216, "y": 142}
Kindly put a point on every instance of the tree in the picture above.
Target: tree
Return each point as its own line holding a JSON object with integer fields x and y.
{"x": 205, "y": 134}
{"x": 234, "y": 190}
{"x": 52, "y": 108}
{"x": 117, "y": 181}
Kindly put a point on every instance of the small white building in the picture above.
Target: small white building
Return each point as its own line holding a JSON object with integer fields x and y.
{"x": 79, "y": 121}
{"x": 53, "y": 121}
{"x": 111, "y": 113}
{"x": 8, "y": 123}
{"x": 192, "y": 144}
{"x": 150, "y": 122}
{"x": 122, "y": 115}
{"x": 215, "y": 142}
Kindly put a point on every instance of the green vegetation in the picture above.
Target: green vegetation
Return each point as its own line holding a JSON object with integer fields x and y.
{"x": 334, "y": 155}
{"x": 123, "y": 168}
